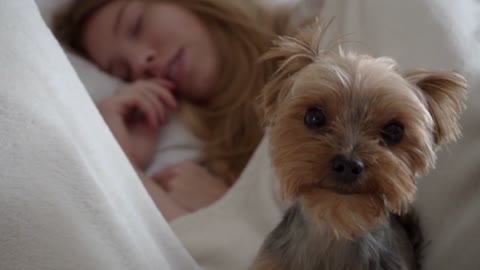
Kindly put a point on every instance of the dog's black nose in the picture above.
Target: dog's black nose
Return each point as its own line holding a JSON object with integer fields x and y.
{"x": 347, "y": 170}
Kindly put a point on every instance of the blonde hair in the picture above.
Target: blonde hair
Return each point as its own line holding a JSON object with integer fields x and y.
{"x": 228, "y": 124}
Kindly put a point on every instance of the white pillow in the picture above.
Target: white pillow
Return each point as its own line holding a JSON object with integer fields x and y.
{"x": 99, "y": 84}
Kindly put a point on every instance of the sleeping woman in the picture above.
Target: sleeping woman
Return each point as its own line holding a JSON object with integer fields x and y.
{"x": 196, "y": 58}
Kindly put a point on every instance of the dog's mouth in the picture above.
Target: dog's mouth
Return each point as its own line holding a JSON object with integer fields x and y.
{"x": 344, "y": 191}
{"x": 356, "y": 188}
{"x": 361, "y": 187}
{"x": 348, "y": 191}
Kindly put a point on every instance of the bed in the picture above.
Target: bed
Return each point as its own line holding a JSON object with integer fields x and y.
{"x": 70, "y": 200}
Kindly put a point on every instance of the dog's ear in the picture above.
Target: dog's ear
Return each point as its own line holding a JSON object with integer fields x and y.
{"x": 289, "y": 55}
{"x": 445, "y": 94}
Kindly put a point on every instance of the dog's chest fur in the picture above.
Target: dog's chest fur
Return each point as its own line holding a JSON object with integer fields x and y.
{"x": 301, "y": 245}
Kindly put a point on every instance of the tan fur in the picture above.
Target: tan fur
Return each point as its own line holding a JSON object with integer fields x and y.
{"x": 444, "y": 92}
{"x": 360, "y": 95}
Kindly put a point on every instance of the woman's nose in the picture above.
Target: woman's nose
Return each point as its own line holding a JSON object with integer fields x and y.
{"x": 142, "y": 65}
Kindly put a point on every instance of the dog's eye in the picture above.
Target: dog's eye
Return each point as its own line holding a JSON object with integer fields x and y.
{"x": 392, "y": 133}
{"x": 315, "y": 118}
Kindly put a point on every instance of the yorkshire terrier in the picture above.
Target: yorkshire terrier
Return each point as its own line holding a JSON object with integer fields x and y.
{"x": 348, "y": 135}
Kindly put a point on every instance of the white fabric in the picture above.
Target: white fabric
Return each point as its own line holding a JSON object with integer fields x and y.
{"x": 68, "y": 197}
{"x": 418, "y": 33}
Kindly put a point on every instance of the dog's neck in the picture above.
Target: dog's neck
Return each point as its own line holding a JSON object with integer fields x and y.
{"x": 303, "y": 244}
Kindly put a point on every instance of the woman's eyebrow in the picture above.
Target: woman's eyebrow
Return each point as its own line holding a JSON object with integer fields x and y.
{"x": 119, "y": 16}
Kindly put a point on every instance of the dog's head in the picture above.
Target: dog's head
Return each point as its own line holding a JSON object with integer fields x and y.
{"x": 349, "y": 132}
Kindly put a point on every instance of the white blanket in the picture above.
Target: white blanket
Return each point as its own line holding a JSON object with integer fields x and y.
{"x": 68, "y": 197}
{"x": 418, "y": 33}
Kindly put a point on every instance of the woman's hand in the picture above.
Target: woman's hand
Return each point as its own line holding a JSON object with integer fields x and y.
{"x": 191, "y": 185}
{"x": 134, "y": 116}
{"x": 142, "y": 102}
{"x": 167, "y": 206}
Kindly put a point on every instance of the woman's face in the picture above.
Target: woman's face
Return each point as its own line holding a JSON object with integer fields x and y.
{"x": 154, "y": 40}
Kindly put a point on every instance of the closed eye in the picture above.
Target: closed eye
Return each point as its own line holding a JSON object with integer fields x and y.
{"x": 137, "y": 27}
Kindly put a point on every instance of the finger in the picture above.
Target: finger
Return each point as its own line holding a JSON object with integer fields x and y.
{"x": 161, "y": 108}
{"x": 146, "y": 108}
{"x": 162, "y": 88}
{"x": 162, "y": 113}
{"x": 169, "y": 208}
{"x": 157, "y": 105}
{"x": 164, "y": 178}
{"x": 165, "y": 96}
{"x": 135, "y": 105}
{"x": 167, "y": 84}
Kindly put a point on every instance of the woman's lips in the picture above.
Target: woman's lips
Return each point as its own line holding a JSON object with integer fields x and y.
{"x": 176, "y": 69}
